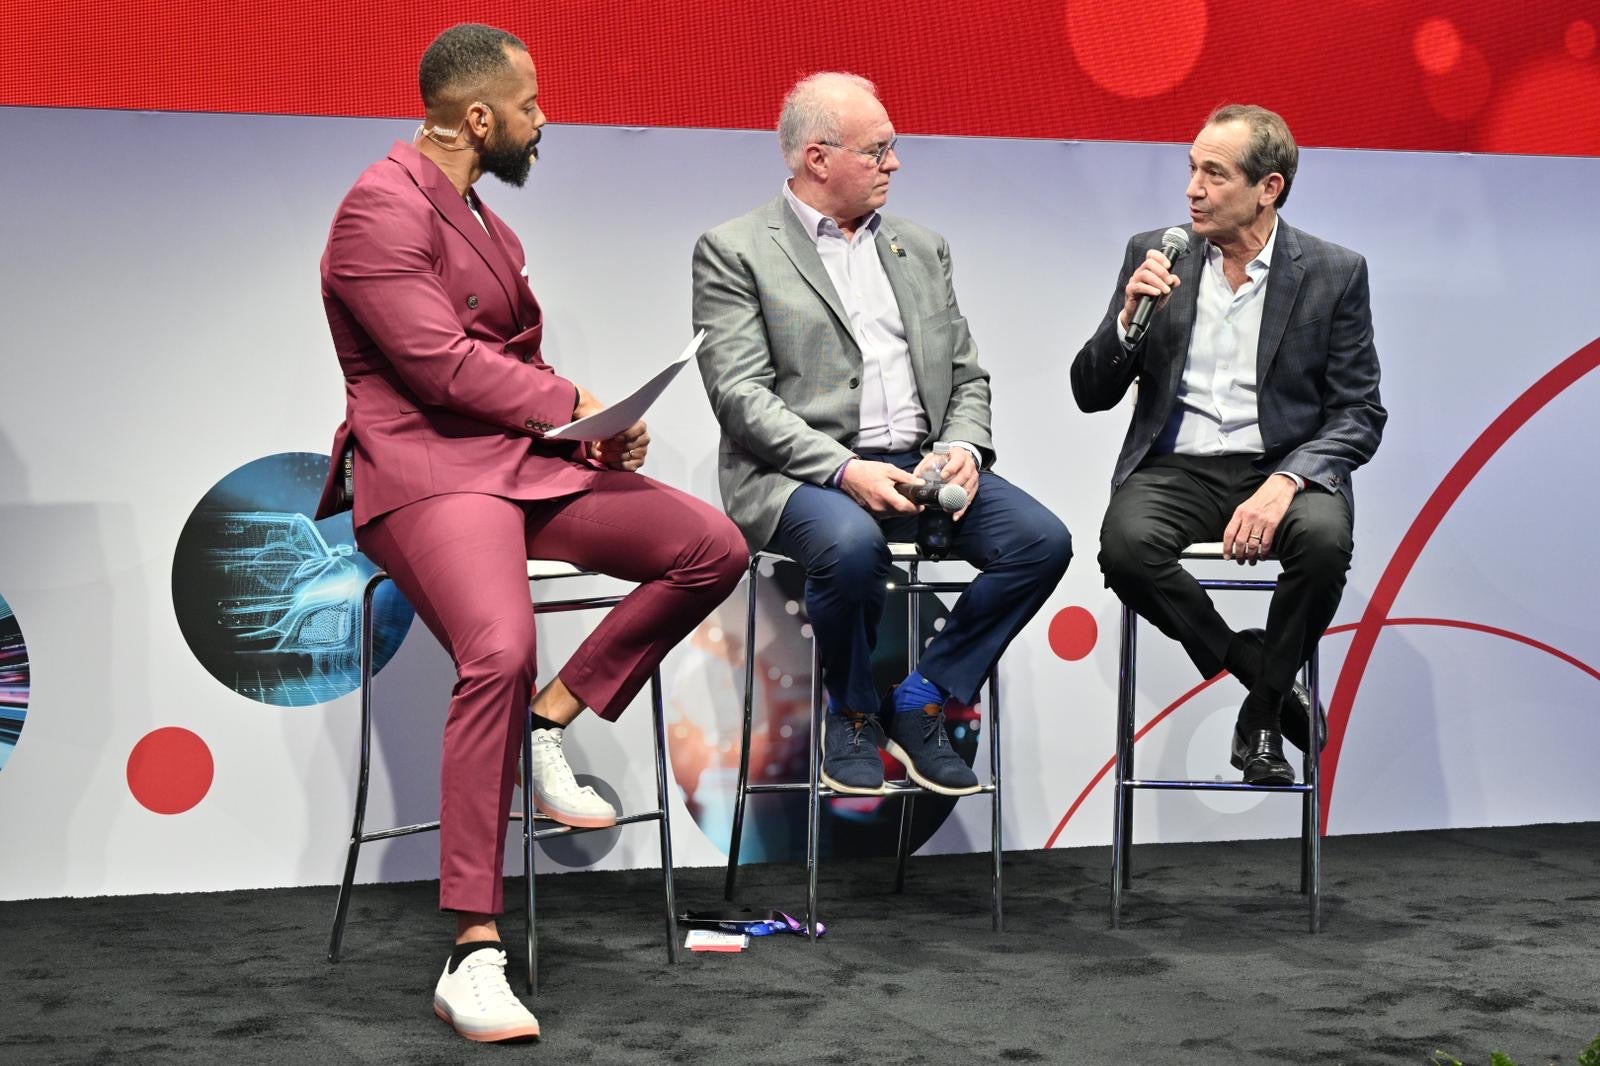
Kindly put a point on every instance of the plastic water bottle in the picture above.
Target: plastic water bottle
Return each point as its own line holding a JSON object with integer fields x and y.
{"x": 936, "y": 528}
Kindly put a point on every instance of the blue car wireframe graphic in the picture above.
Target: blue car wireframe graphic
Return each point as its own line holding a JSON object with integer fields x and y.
{"x": 281, "y": 590}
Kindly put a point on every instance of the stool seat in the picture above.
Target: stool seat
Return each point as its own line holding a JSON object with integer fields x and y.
{"x": 1212, "y": 549}
{"x": 543, "y": 568}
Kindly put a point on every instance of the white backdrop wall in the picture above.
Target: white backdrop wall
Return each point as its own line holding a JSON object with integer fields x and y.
{"x": 163, "y": 327}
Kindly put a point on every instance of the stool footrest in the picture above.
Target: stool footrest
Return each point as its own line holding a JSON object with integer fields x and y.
{"x": 399, "y": 831}
{"x": 890, "y": 788}
{"x": 556, "y": 829}
{"x": 1214, "y": 786}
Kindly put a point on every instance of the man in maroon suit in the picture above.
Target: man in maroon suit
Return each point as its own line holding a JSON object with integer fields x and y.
{"x": 455, "y": 487}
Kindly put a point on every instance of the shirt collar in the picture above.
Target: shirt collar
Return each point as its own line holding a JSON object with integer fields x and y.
{"x": 1263, "y": 259}
{"x": 817, "y": 224}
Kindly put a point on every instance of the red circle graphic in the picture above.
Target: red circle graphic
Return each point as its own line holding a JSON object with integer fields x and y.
{"x": 1148, "y": 63}
{"x": 1073, "y": 632}
{"x": 170, "y": 770}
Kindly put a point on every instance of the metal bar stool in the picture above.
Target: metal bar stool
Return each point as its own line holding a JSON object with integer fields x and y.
{"x": 1127, "y": 783}
{"x": 538, "y": 570}
{"x": 905, "y": 553}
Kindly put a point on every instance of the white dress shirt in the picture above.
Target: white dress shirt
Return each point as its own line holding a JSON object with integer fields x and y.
{"x": 1216, "y": 411}
{"x": 892, "y": 418}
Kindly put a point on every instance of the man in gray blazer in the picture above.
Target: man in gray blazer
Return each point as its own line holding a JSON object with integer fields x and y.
{"x": 1257, "y": 399}
{"x": 840, "y": 369}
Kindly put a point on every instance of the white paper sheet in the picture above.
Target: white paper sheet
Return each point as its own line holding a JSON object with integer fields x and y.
{"x": 612, "y": 420}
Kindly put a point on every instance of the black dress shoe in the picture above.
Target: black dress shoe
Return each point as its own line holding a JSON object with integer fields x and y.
{"x": 1295, "y": 716}
{"x": 1264, "y": 763}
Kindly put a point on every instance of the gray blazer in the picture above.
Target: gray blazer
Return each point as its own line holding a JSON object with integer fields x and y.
{"x": 783, "y": 369}
{"x": 1316, "y": 367}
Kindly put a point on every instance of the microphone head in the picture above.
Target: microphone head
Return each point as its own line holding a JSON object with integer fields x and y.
{"x": 952, "y": 498}
{"x": 1174, "y": 243}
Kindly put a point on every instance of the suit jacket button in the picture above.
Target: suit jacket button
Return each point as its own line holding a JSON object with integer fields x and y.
{"x": 531, "y": 424}
{"x": 855, "y": 383}
{"x": 472, "y": 301}
{"x": 525, "y": 357}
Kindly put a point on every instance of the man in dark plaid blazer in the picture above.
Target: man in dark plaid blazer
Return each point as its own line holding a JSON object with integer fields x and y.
{"x": 1257, "y": 399}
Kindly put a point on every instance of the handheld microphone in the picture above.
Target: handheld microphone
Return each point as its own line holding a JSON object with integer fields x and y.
{"x": 940, "y": 501}
{"x": 935, "y": 493}
{"x": 1174, "y": 243}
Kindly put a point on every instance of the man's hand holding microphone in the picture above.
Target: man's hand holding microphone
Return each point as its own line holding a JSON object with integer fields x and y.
{"x": 885, "y": 489}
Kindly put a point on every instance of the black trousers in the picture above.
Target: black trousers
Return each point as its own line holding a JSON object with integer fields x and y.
{"x": 1173, "y": 501}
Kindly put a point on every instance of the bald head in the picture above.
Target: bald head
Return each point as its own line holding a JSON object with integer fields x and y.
{"x": 812, "y": 112}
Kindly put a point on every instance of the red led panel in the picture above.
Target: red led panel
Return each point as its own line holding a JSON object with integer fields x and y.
{"x": 1444, "y": 75}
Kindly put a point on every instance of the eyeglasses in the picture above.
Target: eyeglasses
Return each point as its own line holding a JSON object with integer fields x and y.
{"x": 877, "y": 155}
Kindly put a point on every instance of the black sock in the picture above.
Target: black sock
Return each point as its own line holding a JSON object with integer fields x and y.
{"x": 1243, "y": 659}
{"x": 1260, "y": 711}
{"x": 541, "y": 722}
{"x": 459, "y": 955}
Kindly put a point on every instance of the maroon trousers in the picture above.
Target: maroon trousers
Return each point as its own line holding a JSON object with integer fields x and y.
{"x": 461, "y": 559}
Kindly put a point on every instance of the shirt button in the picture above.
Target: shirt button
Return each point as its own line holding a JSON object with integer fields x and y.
{"x": 472, "y": 301}
{"x": 855, "y": 383}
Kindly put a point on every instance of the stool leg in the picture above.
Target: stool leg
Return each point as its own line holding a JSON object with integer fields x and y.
{"x": 997, "y": 822}
{"x": 1314, "y": 803}
{"x": 342, "y": 907}
{"x": 903, "y": 850}
{"x": 664, "y": 802}
{"x": 1305, "y": 798}
{"x": 532, "y": 945}
{"x": 736, "y": 835}
{"x": 913, "y": 660}
{"x": 814, "y": 793}
{"x": 1122, "y": 798}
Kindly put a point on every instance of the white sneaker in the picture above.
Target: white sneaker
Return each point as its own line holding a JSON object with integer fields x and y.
{"x": 557, "y": 793}
{"x": 480, "y": 1005}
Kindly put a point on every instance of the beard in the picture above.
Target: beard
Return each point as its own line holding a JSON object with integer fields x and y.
{"x": 508, "y": 161}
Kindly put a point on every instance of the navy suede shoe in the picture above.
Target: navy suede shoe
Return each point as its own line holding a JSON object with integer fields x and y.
{"x": 918, "y": 740}
{"x": 850, "y": 760}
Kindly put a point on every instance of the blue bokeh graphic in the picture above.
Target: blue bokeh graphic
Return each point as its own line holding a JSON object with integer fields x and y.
{"x": 14, "y": 682}
{"x": 270, "y": 601}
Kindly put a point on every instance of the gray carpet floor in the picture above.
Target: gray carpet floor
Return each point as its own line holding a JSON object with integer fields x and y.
{"x": 1469, "y": 941}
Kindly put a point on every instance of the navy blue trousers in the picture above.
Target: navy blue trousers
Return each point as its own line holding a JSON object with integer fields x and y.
{"x": 1020, "y": 548}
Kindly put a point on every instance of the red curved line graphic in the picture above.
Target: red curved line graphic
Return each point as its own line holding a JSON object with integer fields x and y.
{"x": 1427, "y": 522}
{"x": 1444, "y": 623}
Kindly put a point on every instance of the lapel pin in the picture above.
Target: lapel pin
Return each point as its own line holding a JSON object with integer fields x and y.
{"x": 897, "y": 250}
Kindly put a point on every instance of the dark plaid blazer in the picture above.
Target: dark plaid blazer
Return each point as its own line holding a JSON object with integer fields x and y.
{"x": 1316, "y": 367}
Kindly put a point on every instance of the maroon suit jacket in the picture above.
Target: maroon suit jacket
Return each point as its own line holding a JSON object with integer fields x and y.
{"x": 438, "y": 335}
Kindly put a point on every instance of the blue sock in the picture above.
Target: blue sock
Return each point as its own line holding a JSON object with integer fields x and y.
{"x": 834, "y": 706}
{"x": 916, "y": 692}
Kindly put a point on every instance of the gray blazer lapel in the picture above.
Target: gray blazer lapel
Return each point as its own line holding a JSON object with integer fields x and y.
{"x": 802, "y": 252}
{"x": 904, "y": 284}
{"x": 1283, "y": 286}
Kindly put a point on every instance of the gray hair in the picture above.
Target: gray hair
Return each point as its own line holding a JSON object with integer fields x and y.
{"x": 1271, "y": 149}
{"x": 809, "y": 115}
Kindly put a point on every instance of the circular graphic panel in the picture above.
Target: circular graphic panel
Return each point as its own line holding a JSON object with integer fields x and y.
{"x": 170, "y": 770}
{"x": 705, "y": 719}
{"x": 270, "y": 601}
{"x": 14, "y": 682}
